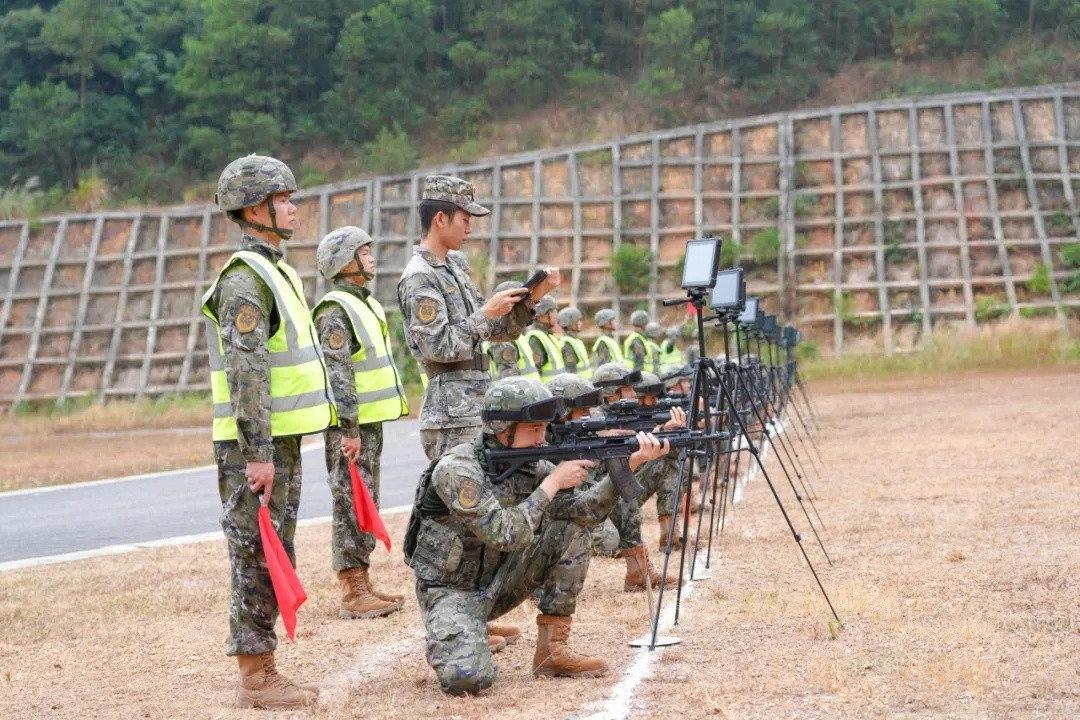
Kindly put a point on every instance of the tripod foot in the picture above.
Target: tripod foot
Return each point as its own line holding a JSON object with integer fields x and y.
{"x": 661, "y": 641}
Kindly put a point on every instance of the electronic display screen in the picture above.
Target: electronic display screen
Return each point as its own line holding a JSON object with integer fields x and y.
{"x": 700, "y": 263}
{"x": 729, "y": 291}
{"x": 749, "y": 313}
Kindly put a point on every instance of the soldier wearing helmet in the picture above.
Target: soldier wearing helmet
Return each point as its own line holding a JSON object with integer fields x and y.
{"x": 543, "y": 339}
{"x": 636, "y": 347}
{"x": 671, "y": 356}
{"x": 368, "y": 392}
{"x": 605, "y": 348}
{"x": 480, "y": 548}
{"x": 447, "y": 319}
{"x": 257, "y": 318}
{"x": 575, "y": 356}
{"x": 655, "y": 334}
{"x": 511, "y": 359}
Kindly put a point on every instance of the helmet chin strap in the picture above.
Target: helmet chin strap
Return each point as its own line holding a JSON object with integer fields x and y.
{"x": 272, "y": 228}
{"x": 357, "y": 273}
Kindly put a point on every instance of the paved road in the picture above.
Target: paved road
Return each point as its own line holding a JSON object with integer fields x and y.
{"x": 87, "y": 517}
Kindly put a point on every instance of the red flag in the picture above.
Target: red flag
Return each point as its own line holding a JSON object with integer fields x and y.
{"x": 367, "y": 515}
{"x": 287, "y": 588}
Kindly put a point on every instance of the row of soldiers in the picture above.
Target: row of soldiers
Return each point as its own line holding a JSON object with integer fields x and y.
{"x": 281, "y": 370}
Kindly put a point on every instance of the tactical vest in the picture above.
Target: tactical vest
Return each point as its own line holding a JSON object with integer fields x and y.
{"x": 526, "y": 369}
{"x": 582, "y": 368}
{"x": 614, "y": 353}
{"x": 380, "y": 395}
{"x": 301, "y": 402}
{"x": 648, "y": 364}
{"x": 554, "y": 364}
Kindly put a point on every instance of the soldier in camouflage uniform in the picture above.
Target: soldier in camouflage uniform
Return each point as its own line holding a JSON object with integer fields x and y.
{"x": 636, "y": 345}
{"x": 251, "y": 320}
{"x": 543, "y": 339}
{"x": 605, "y": 348}
{"x": 509, "y": 357}
{"x": 479, "y": 548}
{"x": 575, "y": 356}
{"x": 368, "y": 390}
{"x": 655, "y": 333}
{"x": 447, "y": 319}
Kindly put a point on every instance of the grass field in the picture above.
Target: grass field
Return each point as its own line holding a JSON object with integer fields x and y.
{"x": 949, "y": 504}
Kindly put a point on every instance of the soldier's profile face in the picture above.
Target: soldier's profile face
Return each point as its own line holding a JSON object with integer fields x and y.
{"x": 527, "y": 435}
{"x": 456, "y": 229}
{"x": 367, "y": 260}
{"x": 284, "y": 210}
{"x": 647, "y": 400}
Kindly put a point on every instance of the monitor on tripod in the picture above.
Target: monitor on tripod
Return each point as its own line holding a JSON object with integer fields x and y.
{"x": 791, "y": 336}
{"x": 729, "y": 292}
{"x": 700, "y": 264}
{"x": 768, "y": 327}
{"x": 749, "y": 313}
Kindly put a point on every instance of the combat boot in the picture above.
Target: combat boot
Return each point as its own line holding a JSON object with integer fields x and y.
{"x": 554, "y": 657}
{"x": 357, "y": 600}
{"x": 510, "y": 633}
{"x": 262, "y": 687}
{"x": 665, "y": 528}
{"x": 637, "y": 566}
{"x": 394, "y": 598}
{"x": 496, "y": 643}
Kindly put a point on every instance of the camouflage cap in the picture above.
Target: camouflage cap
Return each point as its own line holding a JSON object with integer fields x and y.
{"x": 648, "y": 385}
{"x": 453, "y": 190}
{"x": 639, "y": 317}
{"x": 654, "y": 331}
{"x": 248, "y": 181}
{"x": 545, "y": 305}
{"x": 612, "y": 374}
{"x": 511, "y": 394}
{"x": 338, "y": 249}
{"x": 604, "y": 317}
{"x": 569, "y": 316}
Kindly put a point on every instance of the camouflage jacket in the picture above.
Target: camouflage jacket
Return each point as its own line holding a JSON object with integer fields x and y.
{"x": 247, "y": 359}
{"x": 469, "y": 524}
{"x": 443, "y": 324}
{"x": 331, "y": 320}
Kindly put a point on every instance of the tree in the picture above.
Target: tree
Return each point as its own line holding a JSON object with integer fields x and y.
{"x": 674, "y": 55}
{"x": 44, "y": 129}
{"x": 84, "y": 33}
{"x": 947, "y": 27}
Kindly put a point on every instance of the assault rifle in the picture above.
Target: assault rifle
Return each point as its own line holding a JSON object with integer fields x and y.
{"x": 644, "y": 422}
{"x": 615, "y": 450}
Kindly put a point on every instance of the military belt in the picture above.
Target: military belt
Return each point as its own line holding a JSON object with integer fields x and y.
{"x": 479, "y": 362}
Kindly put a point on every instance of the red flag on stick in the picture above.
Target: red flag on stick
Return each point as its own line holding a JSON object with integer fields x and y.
{"x": 367, "y": 515}
{"x": 287, "y": 588}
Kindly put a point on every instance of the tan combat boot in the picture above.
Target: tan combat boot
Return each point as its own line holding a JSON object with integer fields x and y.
{"x": 637, "y": 565}
{"x": 554, "y": 658}
{"x": 496, "y": 643}
{"x": 665, "y": 528}
{"x": 510, "y": 633}
{"x": 394, "y": 598}
{"x": 262, "y": 687}
{"x": 357, "y": 600}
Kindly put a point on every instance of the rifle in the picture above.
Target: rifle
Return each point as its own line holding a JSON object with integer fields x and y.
{"x": 589, "y": 426}
{"x": 615, "y": 450}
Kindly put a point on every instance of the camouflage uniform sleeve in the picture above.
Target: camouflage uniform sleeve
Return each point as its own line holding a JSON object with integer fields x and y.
{"x": 589, "y": 504}
{"x": 539, "y": 357}
{"x": 505, "y": 357}
{"x": 245, "y": 309}
{"x": 427, "y": 324}
{"x": 338, "y": 344}
{"x": 637, "y": 354}
{"x": 569, "y": 357}
{"x": 601, "y": 355}
{"x": 461, "y": 485}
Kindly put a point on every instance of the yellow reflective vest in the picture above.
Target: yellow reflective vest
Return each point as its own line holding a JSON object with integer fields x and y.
{"x": 554, "y": 364}
{"x": 670, "y": 356}
{"x": 301, "y": 402}
{"x": 583, "y": 368}
{"x": 654, "y": 353}
{"x": 648, "y": 365}
{"x": 380, "y": 395}
{"x": 612, "y": 347}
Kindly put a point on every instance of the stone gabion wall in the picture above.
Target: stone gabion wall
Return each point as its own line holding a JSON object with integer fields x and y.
{"x": 865, "y": 225}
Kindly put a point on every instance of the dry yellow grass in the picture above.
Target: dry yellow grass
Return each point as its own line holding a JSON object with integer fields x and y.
{"x": 950, "y": 506}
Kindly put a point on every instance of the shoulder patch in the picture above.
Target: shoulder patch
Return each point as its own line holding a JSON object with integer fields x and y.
{"x": 336, "y": 341}
{"x": 469, "y": 494}
{"x": 508, "y": 354}
{"x": 247, "y": 318}
{"x": 426, "y": 310}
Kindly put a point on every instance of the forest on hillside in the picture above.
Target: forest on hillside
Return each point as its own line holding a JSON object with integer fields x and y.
{"x": 106, "y": 101}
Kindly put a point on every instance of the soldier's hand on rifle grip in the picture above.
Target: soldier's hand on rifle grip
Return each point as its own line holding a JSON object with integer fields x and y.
{"x": 567, "y": 474}
{"x": 678, "y": 419}
{"x": 350, "y": 448}
{"x": 260, "y": 477}
{"x": 649, "y": 448}
{"x": 552, "y": 281}
{"x": 502, "y": 303}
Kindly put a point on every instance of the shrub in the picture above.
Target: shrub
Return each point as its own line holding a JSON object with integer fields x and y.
{"x": 631, "y": 268}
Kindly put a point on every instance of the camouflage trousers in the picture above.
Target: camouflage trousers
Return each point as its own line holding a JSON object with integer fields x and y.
{"x": 350, "y": 548}
{"x": 622, "y": 529}
{"x": 437, "y": 442}
{"x": 253, "y": 608}
{"x": 553, "y": 567}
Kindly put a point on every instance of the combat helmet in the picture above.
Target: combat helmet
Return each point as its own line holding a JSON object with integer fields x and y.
{"x": 249, "y": 181}
{"x": 604, "y": 317}
{"x": 508, "y": 285}
{"x": 649, "y": 384}
{"x": 639, "y": 318}
{"x": 653, "y": 330}
{"x": 569, "y": 316}
{"x": 615, "y": 375}
{"x": 545, "y": 305}
{"x": 340, "y": 248}
{"x": 574, "y": 392}
{"x": 516, "y": 399}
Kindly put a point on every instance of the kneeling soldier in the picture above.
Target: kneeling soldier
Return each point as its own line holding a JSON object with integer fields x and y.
{"x": 481, "y": 548}
{"x": 368, "y": 391}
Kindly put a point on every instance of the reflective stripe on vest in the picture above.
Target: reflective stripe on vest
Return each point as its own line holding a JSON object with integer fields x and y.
{"x": 301, "y": 402}
{"x": 379, "y": 393}
{"x": 582, "y": 368}
{"x": 554, "y": 364}
{"x": 648, "y": 364}
{"x": 614, "y": 353}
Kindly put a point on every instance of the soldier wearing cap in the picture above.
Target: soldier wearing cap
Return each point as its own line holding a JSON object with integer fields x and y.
{"x": 605, "y": 348}
{"x": 368, "y": 391}
{"x": 636, "y": 345}
{"x": 479, "y": 549}
{"x": 544, "y": 342}
{"x": 447, "y": 319}
{"x": 256, "y": 320}
{"x": 575, "y": 356}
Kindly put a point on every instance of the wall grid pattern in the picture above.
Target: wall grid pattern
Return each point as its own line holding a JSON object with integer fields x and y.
{"x": 866, "y": 225}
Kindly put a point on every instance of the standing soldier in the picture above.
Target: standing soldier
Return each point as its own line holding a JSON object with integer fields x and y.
{"x": 605, "y": 349}
{"x": 654, "y": 333}
{"x": 575, "y": 356}
{"x": 546, "y": 348}
{"x": 269, "y": 386}
{"x": 446, "y": 318}
{"x": 671, "y": 358}
{"x": 368, "y": 391}
{"x": 511, "y": 359}
{"x": 636, "y": 345}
